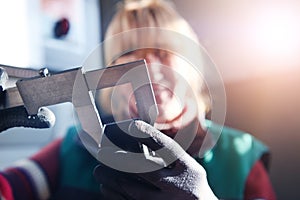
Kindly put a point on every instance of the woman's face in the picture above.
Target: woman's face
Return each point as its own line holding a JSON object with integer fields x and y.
{"x": 171, "y": 80}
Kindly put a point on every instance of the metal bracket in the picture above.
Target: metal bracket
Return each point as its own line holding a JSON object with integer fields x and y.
{"x": 135, "y": 73}
{"x": 76, "y": 86}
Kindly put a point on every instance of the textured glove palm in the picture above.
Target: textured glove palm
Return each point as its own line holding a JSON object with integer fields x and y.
{"x": 183, "y": 179}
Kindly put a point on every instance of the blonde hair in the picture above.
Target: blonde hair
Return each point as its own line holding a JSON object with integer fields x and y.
{"x": 143, "y": 21}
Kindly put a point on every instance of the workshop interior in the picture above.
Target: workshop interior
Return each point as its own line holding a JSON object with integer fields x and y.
{"x": 254, "y": 44}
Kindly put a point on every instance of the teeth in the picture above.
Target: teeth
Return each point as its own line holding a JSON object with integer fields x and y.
{"x": 158, "y": 77}
{"x": 164, "y": 94}
{"x": 156, "y": 68}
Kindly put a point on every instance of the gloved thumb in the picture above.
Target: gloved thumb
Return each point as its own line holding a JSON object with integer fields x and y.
{"x": 167, "y": 148}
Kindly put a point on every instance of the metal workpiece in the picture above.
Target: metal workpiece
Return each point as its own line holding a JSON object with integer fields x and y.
{"x": 78, "y": 87}
{"x": 134, "y": 73}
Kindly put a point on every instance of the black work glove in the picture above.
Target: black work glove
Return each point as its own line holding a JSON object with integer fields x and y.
{"x": 183, "y": 179}
{"x": 18, "y": 117}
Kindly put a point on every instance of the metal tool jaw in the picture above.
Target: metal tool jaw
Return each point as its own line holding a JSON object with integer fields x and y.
{"x": 78, "y": 87}
{"x": 134, "y": 73}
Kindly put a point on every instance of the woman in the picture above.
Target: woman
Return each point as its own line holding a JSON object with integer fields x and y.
{"x": 64, "y": 169}
{"x": 149, "y": 29}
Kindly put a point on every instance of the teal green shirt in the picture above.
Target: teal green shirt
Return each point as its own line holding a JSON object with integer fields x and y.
{"x": 227, "y": 164}
{"x": 77, "y": 164}
{"x": 230, "y": 161}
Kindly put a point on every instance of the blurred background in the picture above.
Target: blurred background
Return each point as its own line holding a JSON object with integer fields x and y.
{"x": 255, "y": 45}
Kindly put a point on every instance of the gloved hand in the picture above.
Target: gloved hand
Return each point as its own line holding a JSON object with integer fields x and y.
{"x": 18, "y": 117}
{"x": 183, "y": 179}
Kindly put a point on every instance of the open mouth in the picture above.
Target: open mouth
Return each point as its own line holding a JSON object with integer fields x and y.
{"x": 162, "y": 93}
{"x": 170, "y": 108}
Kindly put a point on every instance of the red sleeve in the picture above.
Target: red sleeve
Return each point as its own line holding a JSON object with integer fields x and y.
{"x": 258, "y": 184}
{"x": 5, "y": 189}
{"x": 34, "y": 178}
{"x": 48, "y": 160}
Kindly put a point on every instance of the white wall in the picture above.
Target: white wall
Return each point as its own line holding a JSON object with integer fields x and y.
{"x": 25, "y": 42}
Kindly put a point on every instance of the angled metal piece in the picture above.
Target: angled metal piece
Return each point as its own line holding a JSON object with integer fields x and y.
{"x": 77, "y": 87}
{"x": 135, "y": 73}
